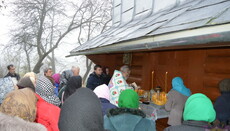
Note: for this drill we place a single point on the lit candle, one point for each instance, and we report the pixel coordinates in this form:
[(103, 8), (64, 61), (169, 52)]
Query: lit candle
[(166, 77), (152, 78)]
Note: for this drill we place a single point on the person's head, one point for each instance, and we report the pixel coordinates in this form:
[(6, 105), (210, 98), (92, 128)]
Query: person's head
[(224, 85), (45, 89), (30, 74), (128, 99), (56, 78), (125, 70), (48, 72), (21, 103), (102, 91), (27, 82), (178, 85), (98, 70), (74, 83), (106, 70), (11, 69), (199, 107), (51, 79), (75, 70), (81, 112)]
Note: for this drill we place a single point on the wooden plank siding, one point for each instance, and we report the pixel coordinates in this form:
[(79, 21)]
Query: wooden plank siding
[(201, 69)]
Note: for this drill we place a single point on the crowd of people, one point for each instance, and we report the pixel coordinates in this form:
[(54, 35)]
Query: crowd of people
[(59, 102)]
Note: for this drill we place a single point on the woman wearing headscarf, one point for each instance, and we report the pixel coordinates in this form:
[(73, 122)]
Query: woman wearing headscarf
[(198, 113), (102, 93), (222, 105), (31, 74), (73, 84), (27, 82), (128, 117), (45, 89), (21, 103), (176, 101), (47, 114), (18, 111), (81, 112)]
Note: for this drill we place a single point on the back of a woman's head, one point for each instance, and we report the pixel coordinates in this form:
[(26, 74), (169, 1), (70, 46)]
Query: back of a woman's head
[(128, 99), (75, 82), (45, 89), (31, 74), (56, 78), (224, 85), (81, 112), (21, 103), (199, 107), (44, 86), (27, 82), (102, 91)]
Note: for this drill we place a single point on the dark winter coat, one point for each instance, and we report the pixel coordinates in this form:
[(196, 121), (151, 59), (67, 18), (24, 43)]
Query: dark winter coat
[(106, 105), (94, 81), (17, 76), (222, 107), (106, 78)]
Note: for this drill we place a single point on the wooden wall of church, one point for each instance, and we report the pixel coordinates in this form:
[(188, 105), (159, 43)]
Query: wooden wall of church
[(201, 69)]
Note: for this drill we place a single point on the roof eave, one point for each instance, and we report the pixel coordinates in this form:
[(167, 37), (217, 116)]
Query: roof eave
[(205, 35)]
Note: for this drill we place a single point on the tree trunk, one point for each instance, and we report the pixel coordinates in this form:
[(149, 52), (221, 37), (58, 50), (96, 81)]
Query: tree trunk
[(53, 62), (27, 58), (88, 68)]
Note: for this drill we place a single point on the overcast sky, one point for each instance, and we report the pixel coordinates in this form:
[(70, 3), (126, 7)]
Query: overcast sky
[(6, 23)]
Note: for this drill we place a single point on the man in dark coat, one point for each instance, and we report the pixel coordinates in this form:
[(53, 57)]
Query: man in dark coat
[(95, 79), (12, 73)]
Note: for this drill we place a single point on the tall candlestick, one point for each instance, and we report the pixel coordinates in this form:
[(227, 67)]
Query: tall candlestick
[(152, 78), (166, 79)]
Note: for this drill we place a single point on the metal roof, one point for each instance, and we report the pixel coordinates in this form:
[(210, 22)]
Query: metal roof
[(187, 16)]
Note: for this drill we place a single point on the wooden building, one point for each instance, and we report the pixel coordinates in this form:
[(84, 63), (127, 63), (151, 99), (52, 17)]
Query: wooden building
[(186, 38)]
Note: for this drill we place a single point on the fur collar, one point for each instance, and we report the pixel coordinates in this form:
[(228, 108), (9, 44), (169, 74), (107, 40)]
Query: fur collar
[(118, 111)]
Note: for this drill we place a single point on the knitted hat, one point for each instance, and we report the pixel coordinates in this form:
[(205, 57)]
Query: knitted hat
[(128, 99)]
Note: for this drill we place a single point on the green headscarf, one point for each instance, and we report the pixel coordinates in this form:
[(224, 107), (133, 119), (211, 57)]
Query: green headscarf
[(128, 99), (199, 107)]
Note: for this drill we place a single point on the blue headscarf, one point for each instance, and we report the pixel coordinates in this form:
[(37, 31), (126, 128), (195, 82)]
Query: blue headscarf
[(178, 85)]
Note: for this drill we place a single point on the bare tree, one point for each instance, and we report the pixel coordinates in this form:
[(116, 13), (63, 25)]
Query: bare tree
[(2, 4), (99, 16), (43, 24)]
